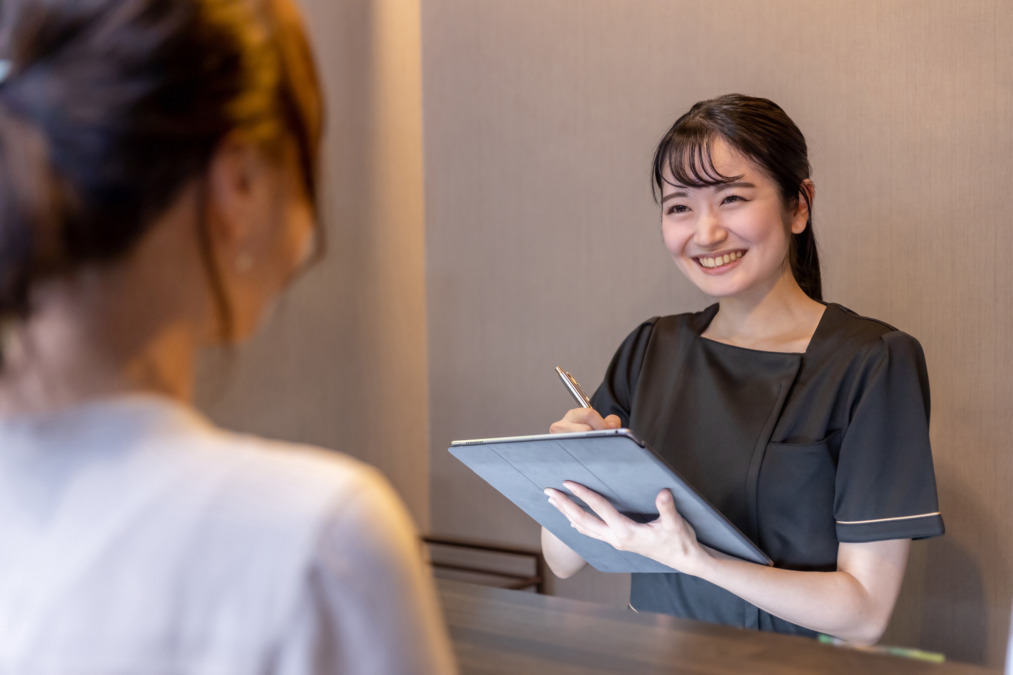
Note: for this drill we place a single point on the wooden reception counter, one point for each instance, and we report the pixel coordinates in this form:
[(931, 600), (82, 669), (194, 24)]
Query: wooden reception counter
[(500, 631)]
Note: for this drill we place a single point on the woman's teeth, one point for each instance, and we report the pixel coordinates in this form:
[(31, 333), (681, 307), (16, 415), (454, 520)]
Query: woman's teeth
[(720, 260)]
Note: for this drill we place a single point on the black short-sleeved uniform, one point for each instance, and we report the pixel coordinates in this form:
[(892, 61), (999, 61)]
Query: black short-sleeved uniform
[(800, 451)]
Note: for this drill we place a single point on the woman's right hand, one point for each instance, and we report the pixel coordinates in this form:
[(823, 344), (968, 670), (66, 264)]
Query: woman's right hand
[(563, 560), (584, 419)]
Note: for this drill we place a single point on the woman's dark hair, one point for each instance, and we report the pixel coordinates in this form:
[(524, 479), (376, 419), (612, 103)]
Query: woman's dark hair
[(763, 133), (111, 107)]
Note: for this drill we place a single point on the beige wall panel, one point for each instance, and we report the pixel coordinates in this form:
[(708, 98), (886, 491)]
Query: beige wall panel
[(543, 243), (342, 362)]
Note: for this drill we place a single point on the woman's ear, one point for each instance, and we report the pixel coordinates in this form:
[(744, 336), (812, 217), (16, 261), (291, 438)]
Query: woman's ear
[(236, 184), (806, 196)]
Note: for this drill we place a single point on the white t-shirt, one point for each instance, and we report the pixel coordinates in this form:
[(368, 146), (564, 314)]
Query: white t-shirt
[(135, 537)]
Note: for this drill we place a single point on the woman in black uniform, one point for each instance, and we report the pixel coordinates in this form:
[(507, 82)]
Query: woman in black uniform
[(803, 422)]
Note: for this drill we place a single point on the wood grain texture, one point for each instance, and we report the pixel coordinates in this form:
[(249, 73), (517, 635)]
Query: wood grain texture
[(543, 245), (496, 631)]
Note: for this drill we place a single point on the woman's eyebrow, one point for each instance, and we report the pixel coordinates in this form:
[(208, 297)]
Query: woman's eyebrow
[(736, 184), (672, 195), (717, 188)]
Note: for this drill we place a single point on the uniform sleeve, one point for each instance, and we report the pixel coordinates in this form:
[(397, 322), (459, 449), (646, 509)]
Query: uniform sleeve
[(368, 604), (886, 486), (615, 394)]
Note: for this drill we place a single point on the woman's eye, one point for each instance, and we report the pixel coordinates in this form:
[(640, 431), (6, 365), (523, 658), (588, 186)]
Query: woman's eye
[(677, 208), (732, 198)]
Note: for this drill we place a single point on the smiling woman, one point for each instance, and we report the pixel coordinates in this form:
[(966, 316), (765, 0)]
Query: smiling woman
[(803, 422)]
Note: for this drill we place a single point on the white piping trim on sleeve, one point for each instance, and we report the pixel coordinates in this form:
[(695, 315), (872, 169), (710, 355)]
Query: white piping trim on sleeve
[(885, 520)]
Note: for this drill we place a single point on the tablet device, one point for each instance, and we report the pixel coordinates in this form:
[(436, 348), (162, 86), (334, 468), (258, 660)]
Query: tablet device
[(615, 464)]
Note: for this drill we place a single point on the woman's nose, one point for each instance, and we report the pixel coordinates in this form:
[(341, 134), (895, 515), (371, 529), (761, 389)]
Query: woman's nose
[(709, 231)]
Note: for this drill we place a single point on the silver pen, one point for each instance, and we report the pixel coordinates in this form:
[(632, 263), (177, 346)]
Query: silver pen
[(571, 386)]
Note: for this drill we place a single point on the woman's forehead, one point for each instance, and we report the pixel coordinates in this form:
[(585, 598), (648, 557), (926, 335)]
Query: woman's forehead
[(708, 163)]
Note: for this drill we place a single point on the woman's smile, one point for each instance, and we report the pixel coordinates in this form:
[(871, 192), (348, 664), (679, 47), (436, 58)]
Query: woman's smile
[(716, 263)]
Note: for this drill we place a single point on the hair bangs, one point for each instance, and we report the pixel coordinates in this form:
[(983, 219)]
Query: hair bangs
[(684, 159)]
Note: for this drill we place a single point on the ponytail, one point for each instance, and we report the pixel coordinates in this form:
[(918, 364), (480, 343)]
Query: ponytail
[(804, 258)]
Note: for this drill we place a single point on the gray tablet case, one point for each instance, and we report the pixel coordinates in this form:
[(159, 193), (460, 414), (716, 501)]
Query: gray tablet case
[(613, 463)]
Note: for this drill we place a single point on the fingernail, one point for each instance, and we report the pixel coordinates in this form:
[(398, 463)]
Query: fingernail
[(547, 491)]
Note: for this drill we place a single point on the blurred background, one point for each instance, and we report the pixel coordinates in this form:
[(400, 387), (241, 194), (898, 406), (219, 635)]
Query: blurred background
[(489, 215)]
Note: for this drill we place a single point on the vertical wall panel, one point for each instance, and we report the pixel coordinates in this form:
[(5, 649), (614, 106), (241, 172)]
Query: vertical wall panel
[(342, 362), (543, 244)]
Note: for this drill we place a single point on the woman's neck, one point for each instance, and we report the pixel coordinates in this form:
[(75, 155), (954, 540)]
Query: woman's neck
[(86, 341), (781, 320), (133, 325)]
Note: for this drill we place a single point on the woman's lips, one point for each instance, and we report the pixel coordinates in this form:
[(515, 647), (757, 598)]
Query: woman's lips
[(716, 262)]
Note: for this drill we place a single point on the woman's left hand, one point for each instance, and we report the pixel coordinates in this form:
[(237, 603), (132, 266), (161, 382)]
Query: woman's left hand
[(853, 603), (668, 539)]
